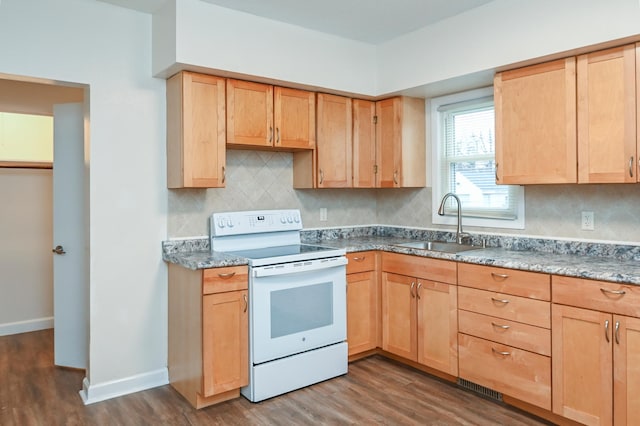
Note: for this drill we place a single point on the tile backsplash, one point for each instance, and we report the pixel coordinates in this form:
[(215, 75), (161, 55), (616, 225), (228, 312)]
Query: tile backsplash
[(263, 180)]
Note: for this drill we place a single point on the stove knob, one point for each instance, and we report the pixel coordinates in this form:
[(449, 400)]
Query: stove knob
[(221, 223), (296, 219), (229, 223), (289, 219), (283, 219)]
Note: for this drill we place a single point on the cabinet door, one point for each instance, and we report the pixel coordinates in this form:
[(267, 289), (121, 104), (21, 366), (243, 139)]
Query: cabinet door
[(399, 331), (225, 340), (364, 144), (438, 326), (249, 113), (334, 141), (362, 318), (195, 131), (535, 124), (389, 137), (582, 365), (607, 116), (295, 118), (626, 371)]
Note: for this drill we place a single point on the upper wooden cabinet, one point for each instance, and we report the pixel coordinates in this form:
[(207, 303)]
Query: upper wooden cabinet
[(400, 143), (535, 111), (334, 150), (364, 144), (264, 116), (195, 131), (607, 116)]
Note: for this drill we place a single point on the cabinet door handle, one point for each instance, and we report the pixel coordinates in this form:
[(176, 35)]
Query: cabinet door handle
[(246, 303), (411, 290), (321, 176), (395, 177), (503, 301), (227, 275), (617, 332), (500, 276), (504, 327), (359, 259), (277, 136), (270, 134), (606, 291), (224, 174), (503, 353), (606, 330), (418, 290), (497, 178), (631, 166)]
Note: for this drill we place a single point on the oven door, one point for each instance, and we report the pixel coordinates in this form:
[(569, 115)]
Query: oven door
[(297, 307)]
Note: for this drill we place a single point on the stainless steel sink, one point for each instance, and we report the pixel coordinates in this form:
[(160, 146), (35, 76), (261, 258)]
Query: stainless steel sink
[(443, 246)]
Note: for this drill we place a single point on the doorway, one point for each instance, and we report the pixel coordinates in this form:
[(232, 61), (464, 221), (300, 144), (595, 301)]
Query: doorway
[(23, 95)]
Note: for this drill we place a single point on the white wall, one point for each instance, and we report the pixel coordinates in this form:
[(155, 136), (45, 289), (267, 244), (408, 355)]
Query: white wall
[(500, 33), (222, 39), (109, 49), (26, 280)]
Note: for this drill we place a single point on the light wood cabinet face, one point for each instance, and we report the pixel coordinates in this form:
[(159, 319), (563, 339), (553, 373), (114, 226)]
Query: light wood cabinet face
[(437, 325), (626, 371), (295, 118), (582, 365), (225, 353), (364, 144), (195, 131), (334, 144), (536, 124), (607, 116), (362, 318), (249, 114), (389, 137), (399, 330)]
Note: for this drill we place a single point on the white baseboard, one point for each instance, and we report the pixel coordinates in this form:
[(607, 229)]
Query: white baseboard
[(100, 392), (26, 326)]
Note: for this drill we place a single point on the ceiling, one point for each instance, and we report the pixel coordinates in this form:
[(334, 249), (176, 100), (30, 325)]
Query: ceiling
[(369, 21)]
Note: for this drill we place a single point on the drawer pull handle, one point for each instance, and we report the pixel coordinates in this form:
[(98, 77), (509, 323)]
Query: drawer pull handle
[(359, 259), (503, 301), (606, 291), (501, 276), (503, 353), (227, 275), (504, 327), (606, 330), (617, 333)]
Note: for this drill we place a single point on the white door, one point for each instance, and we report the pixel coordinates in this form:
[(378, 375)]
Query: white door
[(70, 283)]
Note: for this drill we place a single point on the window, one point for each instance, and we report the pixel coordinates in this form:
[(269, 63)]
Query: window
[(463, 141)]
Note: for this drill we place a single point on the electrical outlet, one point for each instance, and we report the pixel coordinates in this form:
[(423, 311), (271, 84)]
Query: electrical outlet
[(588, 221), (323, 214)]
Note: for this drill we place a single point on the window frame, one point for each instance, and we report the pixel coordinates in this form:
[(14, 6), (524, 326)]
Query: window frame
[(437, 144)]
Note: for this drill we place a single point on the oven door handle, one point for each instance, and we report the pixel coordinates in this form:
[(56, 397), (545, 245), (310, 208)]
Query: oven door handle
[(298, 267)]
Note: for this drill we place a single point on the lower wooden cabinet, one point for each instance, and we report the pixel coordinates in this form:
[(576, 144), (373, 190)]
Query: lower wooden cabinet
[(419, 314), (208, 333), (363, 313), (596, 352)]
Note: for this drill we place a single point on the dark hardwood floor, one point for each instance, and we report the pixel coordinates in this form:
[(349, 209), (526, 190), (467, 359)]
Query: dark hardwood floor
[(375, 392)]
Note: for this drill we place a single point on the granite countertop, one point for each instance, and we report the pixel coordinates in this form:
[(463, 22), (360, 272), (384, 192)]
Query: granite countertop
[(582, 260)]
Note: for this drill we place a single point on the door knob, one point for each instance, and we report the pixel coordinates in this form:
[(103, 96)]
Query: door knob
[(58, 250)]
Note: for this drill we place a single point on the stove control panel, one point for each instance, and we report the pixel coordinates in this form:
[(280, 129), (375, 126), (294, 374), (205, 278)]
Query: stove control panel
[(254, 222)]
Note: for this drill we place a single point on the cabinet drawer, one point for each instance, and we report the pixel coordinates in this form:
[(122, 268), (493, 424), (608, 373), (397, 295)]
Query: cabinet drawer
[(361, 262), (523, 336), (515, 308), (623, 299), (443, 271), (220, 280), (510, 281), (515, 372)]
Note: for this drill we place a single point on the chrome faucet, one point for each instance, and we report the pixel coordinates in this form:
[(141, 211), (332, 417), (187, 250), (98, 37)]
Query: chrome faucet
[(459, 234)]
